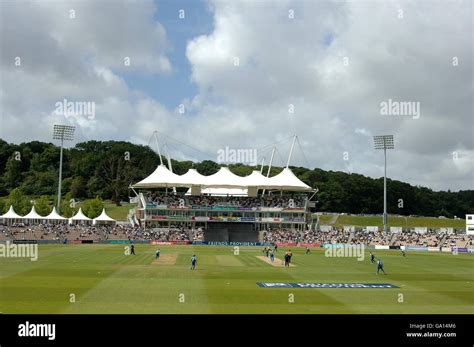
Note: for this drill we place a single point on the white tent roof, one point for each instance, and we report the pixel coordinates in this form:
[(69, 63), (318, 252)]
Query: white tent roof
[(224, 178), (286, 180), (193, 177), (54, 215), (104, 217), (11, 214), (161, 177), (80, 216), (256, 179), (33, 214)]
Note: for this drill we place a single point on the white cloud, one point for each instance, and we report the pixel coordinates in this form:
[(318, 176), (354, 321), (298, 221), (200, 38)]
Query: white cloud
[(337, 89), (334, 63)]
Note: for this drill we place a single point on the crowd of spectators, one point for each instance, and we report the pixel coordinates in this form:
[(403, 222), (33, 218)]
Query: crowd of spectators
[(335, 235), (281, 235), (182, 232), (63, 232), (429, 239), (371, 238), (459, 241), (332, 236), (174, 201)]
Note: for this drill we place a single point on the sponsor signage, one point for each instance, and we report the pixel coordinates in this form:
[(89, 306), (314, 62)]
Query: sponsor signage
[(25, 241), (293, 209), (335, 245), (327, 285), (47, 241), (271, 219), (421, 230), (159, 217), (270, 209), (225, 219), (448, 231), (460, 250), (178, 217), (216, 243), (396, 229), (417, 248), (201, 219), (194, 207), (118, 241), (180, 242), (310, 245), (224, 208), (286, 244)]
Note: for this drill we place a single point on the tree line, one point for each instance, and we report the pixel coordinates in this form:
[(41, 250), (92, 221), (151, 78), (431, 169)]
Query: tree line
[(105, 169)]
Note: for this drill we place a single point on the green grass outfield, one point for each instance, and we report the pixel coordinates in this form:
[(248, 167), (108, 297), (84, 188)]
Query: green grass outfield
[(104, 280)]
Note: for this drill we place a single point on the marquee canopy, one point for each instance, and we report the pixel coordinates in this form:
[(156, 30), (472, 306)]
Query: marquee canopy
[(54, 215), (104, 218), (11, 214), (33, 215), (224, 178), (80, 216)]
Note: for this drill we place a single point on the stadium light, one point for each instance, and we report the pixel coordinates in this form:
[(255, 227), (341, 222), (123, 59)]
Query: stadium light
[(63, 133), (384, 142)]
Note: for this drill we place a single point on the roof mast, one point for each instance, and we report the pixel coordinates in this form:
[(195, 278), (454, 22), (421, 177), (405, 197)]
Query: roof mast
[(291, 151), (157, 146)]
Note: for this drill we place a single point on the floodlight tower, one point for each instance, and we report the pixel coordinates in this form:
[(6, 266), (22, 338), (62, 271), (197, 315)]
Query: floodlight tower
[(63, 133), (384, 142)]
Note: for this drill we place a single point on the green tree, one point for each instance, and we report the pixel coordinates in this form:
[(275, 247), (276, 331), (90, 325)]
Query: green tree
[(21, 203), (39, 183), (93, 207), (67, 209), (106, 168), (241, 170), (13, 171), (117, 173), (207, 167), (42, 206), (3, 206), (78, 187)]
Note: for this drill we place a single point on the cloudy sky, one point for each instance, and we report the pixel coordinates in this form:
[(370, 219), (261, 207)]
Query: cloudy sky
[(247, 74)]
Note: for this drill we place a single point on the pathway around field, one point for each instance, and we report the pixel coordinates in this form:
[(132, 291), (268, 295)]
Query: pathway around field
[(277, 262), (166, 259)]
